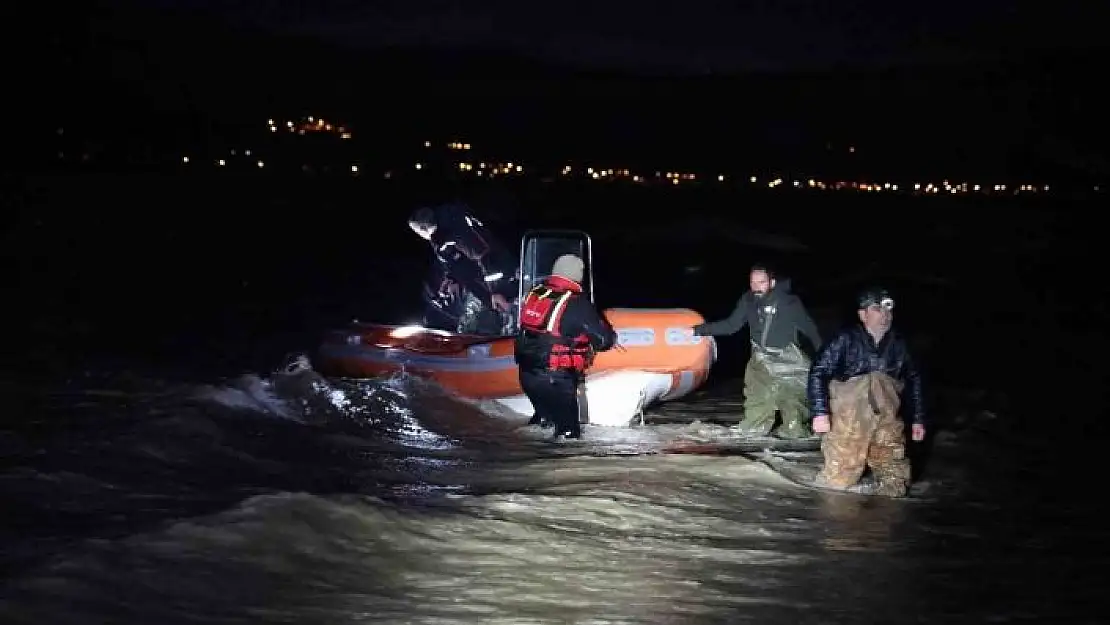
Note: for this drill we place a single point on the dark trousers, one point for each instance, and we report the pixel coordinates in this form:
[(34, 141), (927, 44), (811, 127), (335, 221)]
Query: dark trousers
[(554, 395)]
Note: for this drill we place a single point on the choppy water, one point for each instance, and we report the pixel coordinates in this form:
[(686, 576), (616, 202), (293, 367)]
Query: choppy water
[(290, 500)]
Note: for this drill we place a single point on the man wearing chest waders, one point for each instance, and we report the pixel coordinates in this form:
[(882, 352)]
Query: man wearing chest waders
[(775, 378)]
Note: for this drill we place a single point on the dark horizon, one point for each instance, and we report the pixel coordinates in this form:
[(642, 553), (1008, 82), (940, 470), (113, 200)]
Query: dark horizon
[(125, 70)]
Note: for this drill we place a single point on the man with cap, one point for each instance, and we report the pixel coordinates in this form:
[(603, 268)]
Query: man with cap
[(775, 377), (855, 393), (560, 331)]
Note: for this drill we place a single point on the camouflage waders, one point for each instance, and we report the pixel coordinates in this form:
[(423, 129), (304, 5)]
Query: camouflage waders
[(865, 432)]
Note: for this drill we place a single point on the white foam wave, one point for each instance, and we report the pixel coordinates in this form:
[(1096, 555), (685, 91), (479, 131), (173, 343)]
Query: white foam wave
[(249, 392)]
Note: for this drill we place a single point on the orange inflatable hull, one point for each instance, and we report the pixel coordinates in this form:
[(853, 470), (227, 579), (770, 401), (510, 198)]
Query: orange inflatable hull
[(649, 340)]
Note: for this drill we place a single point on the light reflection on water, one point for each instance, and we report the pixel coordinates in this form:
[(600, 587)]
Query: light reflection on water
[(502, 528)]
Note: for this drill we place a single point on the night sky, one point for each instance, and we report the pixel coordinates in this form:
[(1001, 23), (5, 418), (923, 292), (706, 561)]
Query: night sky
[(965, 111), (693, 36)]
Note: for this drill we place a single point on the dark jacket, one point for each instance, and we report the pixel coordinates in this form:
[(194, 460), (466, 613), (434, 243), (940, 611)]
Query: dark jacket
[(580, 318), (468, 253), (789, 318), (852, 353)]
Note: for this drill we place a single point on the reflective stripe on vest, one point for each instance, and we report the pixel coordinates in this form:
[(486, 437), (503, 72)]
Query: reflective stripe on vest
[(557, 313)]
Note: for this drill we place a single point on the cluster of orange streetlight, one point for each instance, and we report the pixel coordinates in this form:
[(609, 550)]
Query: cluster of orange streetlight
[(772, 182), (493, 169), (310, 124)]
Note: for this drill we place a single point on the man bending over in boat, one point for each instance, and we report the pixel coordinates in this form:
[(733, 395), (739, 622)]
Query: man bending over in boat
[(560, 331), (476, 275), (855, 392), (775, 377)]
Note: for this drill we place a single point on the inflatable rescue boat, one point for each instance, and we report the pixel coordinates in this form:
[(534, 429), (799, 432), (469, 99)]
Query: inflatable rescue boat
[(657, 357)]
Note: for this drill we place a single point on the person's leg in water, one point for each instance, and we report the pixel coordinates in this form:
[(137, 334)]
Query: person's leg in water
[(554, 396), (759, 401), (540, 420), (794, 410), (535, 386), (866, 432), (887, 454)]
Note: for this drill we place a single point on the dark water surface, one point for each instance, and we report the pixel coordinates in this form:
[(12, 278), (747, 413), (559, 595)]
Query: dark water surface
[(146, 480)]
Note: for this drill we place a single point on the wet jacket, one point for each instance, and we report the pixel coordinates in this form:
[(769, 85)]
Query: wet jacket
[(852, 353), (565, 336), (784, 310), (468, 254)]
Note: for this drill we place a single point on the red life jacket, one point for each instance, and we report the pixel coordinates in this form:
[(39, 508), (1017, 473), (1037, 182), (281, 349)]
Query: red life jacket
[(541, 337)]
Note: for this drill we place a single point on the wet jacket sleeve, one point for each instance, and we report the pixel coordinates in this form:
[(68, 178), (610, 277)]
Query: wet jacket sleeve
[(830, 360), (914, 388), (731, 324), (582, 318)]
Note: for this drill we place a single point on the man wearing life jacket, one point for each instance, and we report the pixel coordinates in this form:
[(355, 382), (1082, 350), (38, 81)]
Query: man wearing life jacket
[(855, 390), (472, 266), (775, 378), (560, 331)]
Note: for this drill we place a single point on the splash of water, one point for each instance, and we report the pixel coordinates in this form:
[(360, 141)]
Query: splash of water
[(292, 498)]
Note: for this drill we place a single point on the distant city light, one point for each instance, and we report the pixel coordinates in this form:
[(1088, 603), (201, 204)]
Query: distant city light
[(317, 126)]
